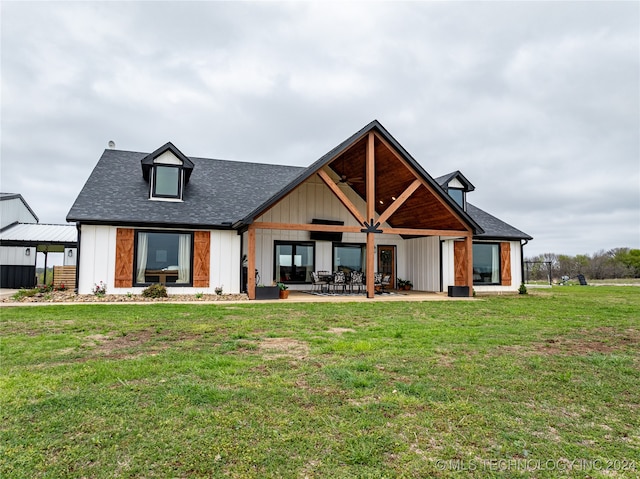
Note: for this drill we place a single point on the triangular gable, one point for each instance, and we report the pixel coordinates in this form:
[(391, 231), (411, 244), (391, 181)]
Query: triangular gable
[(148, 161), (18, 196), (446, 180), (396, 154)]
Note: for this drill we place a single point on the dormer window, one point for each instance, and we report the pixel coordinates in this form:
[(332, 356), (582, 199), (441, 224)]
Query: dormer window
[(167, 171), (167, 181), (457, 187), (458, 196)]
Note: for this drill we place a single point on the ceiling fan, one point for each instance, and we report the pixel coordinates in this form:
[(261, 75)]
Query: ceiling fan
[(344, 179), (350, 181)]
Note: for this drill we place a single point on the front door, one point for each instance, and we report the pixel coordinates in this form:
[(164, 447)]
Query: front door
[(387, 262)]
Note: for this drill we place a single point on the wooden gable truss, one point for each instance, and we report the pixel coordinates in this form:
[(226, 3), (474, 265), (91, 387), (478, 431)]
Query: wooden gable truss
[(394, 193)]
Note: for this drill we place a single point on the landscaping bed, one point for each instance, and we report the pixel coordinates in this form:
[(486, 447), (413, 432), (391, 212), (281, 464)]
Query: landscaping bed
[(71, 297)]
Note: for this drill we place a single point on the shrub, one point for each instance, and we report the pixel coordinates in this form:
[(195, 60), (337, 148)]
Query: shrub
[(522, 289), (100, 289), (24, 293), (155, 291)]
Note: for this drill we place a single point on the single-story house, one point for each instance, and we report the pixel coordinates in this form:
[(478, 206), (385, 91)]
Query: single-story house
[(22, 237), (367, 205)]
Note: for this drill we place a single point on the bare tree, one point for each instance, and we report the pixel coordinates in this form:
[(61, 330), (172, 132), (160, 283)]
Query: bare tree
[(615, 263)]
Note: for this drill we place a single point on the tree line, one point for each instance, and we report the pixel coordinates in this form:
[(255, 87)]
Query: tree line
[(615, 263)]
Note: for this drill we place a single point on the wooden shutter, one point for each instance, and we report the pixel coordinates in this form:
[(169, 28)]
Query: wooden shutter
[(505, 263), (460, 263), (201, 258), (124, 258)]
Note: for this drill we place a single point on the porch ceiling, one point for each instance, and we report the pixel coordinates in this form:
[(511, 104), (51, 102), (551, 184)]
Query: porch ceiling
[(422, 210)]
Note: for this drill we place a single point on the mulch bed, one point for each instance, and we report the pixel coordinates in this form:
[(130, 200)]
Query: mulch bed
[(71, 297)]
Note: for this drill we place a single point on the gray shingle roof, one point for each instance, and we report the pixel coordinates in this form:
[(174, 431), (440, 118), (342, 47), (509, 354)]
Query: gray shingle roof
[(493, 227), (219, 192), (224, 193)]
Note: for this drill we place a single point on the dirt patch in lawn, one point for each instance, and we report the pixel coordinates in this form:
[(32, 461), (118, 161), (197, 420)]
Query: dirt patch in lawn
[(340, 331), (274, 348), (121, 346), (603, 340)]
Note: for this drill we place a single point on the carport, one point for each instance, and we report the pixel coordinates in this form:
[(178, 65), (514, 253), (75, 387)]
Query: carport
[(21, 242)]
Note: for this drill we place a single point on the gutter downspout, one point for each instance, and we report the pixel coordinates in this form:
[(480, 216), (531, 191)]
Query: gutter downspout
[(78, 260), (441, 267), (522, 245)]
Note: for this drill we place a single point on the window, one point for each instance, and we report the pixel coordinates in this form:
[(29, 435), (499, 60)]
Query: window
[(349, 257), (163, 258), (167, 171), (457, 195), (166, 181), (294, 262), (486, 263)]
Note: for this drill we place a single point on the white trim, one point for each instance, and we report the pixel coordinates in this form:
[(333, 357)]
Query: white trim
[(168, 158)]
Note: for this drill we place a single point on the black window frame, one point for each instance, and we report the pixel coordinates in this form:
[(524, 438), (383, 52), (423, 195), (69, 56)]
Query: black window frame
[(463, 197), (277, 243), (154, 194), (135, 258), (499, 282), (363, 249)]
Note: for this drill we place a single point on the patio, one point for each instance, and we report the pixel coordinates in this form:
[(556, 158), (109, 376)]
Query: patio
[(412, 295), (68, 297)]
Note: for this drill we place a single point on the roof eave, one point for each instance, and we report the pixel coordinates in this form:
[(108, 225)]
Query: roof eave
[(138, 225)]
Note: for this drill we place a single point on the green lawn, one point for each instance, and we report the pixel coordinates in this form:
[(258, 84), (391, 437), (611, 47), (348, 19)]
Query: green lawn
[(544, 385)]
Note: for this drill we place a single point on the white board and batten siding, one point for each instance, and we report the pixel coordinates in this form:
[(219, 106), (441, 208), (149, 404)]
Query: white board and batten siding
[(448, 268), (423, 263), (70, 256), (224, 269), (416, 259), (98, 253)]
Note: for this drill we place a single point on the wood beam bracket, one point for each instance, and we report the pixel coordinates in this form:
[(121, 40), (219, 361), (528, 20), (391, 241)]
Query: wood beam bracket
[(371, 227), (341, 196)]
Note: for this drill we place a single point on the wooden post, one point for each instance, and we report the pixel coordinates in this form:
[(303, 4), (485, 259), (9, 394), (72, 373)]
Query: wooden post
[(469, 247), (371, 288), (251, 262), (371, 210)]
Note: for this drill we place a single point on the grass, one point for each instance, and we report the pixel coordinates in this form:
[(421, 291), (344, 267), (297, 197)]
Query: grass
[(543, 385)]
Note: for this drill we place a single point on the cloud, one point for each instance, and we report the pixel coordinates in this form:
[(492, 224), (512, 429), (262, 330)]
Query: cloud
[(536, 103)]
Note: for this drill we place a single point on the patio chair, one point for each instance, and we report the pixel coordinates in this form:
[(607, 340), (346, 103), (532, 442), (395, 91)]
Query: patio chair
[(377, 281), (356, 280), (317, 282), (339, 281), (385, 282)]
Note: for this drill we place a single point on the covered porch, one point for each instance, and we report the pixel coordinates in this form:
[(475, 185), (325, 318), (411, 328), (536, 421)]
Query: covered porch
[(382, 197)]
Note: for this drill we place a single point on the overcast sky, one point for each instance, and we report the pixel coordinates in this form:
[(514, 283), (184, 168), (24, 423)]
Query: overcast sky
[(536, 103)]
